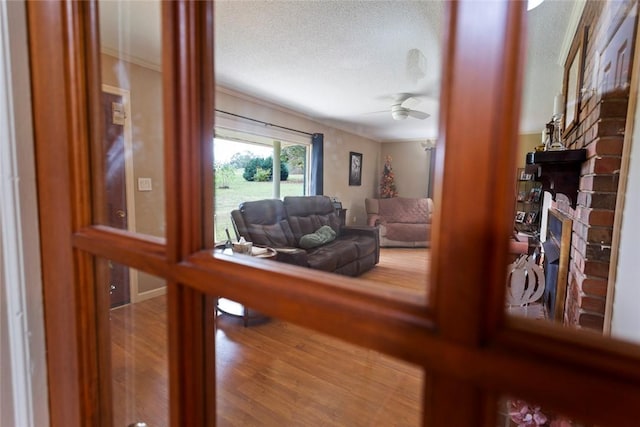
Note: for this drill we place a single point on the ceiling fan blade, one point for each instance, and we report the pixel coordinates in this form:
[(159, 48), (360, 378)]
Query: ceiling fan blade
[(421, 115), (410, 102)]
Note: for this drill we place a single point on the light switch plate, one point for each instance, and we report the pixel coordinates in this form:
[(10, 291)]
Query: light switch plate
[(144, 184)]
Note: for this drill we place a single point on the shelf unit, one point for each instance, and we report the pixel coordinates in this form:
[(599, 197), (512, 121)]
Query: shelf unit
[(528, 202)]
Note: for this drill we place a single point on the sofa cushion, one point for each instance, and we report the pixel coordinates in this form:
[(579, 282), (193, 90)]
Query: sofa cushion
[(364, 245), (322, 235), (358, 266), (406, 232), (306, 214), (266, 223), (268, 211), (404, 210), (275, 235), (333, 255)]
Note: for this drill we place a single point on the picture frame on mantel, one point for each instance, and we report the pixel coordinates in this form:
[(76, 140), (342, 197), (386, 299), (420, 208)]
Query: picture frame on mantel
[(355, 168), (572, 83)]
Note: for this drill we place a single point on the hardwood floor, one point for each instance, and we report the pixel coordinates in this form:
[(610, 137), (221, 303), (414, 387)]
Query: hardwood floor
[(402, 269), (273, 373), (139, 363)]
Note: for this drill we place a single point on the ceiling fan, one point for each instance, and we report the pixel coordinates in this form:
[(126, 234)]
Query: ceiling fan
[(403, 105)]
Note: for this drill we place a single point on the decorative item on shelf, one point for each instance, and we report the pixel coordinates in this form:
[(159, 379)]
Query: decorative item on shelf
[(387, 184), (337, 204), (553, 129), (543, 142), (242, 247), (527, 415), (525, 176), (531, 217), (534, 195), (525, 282)]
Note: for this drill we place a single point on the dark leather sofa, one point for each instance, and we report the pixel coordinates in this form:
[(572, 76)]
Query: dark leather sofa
[(280, 225)]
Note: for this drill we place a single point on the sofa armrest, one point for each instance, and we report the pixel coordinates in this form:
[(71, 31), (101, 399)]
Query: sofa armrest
[(365, 230), (430, 207), (373, 220), (295, 256)]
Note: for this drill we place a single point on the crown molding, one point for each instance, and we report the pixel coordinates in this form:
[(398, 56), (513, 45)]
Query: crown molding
[(131, 59), (569, 35)]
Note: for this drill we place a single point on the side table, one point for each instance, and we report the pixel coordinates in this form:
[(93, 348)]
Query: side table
[(342, 214), (233, 308)]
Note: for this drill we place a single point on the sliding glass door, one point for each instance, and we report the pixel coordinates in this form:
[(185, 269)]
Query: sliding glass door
[(245, 171)]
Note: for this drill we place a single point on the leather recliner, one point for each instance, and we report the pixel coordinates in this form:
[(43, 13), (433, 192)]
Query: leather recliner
[(281, 224)]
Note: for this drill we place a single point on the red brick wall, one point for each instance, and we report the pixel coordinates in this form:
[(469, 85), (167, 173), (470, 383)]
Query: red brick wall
[(600, 129)]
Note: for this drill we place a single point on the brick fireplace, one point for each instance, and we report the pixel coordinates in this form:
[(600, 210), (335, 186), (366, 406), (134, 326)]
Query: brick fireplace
[(606, 35)]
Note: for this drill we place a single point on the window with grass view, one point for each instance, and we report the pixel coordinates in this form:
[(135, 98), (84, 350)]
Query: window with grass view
[(244, 171)]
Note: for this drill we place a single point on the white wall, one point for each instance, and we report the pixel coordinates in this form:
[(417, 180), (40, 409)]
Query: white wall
[(23, 385), (337, 145), (625, 321)]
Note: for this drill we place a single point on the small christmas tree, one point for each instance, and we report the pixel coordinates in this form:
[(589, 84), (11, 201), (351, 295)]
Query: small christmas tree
[(387, 186)]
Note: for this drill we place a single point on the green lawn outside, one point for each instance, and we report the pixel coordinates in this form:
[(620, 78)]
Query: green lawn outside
[(228, 199)]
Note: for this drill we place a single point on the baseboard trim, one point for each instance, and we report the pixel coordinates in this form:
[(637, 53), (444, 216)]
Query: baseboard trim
[(142, 296)]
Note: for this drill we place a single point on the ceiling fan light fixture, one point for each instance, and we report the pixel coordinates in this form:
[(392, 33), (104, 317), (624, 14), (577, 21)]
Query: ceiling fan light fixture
[(399, 113)]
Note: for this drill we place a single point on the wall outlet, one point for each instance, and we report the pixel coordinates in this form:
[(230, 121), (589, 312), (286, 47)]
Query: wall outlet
[(354, 219), (144, 184)]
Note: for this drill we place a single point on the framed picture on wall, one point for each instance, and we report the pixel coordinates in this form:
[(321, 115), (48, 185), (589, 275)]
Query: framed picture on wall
[(573, 75), (355, 168)]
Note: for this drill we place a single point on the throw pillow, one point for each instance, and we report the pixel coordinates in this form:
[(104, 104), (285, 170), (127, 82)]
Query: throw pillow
[(322, 235)]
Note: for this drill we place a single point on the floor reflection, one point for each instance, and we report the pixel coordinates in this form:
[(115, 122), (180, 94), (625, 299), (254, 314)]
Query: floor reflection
[(272, 372), (277, 374)]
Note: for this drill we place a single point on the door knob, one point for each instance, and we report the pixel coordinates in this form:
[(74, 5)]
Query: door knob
[(121, 213)]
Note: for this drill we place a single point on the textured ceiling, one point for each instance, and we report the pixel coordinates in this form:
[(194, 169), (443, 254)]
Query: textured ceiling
[(335, 61), (341, 62)]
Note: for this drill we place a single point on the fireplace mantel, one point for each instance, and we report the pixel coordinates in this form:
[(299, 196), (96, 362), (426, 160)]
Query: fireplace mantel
[(558, 171)]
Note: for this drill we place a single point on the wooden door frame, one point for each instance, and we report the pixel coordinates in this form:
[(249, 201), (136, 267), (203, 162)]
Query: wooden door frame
[(22, 345), (130, 187), (128, 154), (630, 124), (470, 351)]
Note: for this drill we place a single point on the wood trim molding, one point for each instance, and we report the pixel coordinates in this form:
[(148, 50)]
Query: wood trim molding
[(187, 64), (473, 142), (57, 56), (130, 58), (470, 352), (632, 112), (22, 348), (570, 33)]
